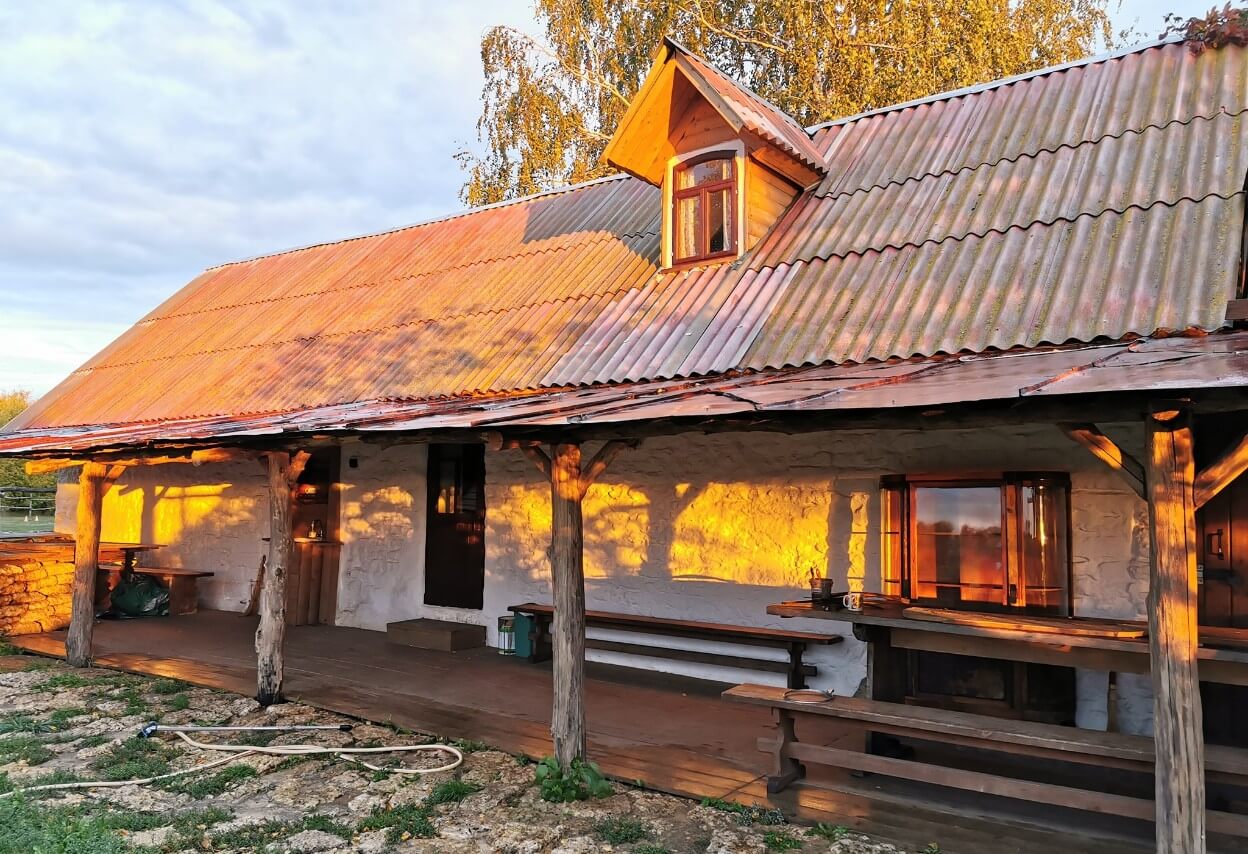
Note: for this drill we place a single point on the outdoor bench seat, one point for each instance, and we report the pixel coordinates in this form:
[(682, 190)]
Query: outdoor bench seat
[(183, 585), (1049, 741), (794, 643)]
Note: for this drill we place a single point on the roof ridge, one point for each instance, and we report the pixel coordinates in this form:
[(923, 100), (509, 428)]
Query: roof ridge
[(1025, 155), (570, 188), (375, 283), (988, 85)]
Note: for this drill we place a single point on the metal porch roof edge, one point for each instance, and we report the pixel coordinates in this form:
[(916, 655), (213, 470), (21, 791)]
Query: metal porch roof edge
[(1152, 364)]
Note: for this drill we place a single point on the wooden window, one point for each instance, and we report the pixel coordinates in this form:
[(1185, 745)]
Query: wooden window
[(981, 544), (704, 209)]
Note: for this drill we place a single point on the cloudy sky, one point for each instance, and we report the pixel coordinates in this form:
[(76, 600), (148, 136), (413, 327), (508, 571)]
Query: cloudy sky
[(141, 142)]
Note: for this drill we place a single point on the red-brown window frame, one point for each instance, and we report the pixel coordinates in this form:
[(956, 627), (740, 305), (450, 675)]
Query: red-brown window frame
[(705, 191)]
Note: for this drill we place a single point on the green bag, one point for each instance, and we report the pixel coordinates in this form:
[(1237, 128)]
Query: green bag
[(140, 596)]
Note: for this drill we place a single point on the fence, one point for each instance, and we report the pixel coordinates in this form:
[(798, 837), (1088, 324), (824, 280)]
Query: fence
[(30, 503)]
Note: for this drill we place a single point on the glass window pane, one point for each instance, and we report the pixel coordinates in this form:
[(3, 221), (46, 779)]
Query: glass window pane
[(1042, 523), (890, 540), (688, 223), (719, 212), (706, 172), (448, 486), (957, 545)]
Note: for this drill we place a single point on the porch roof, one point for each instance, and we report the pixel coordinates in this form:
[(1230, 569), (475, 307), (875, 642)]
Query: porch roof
[(1099, 201), (1160, 364)]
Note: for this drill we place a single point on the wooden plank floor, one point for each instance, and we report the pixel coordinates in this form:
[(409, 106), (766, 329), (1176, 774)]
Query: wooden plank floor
[(675, 735)]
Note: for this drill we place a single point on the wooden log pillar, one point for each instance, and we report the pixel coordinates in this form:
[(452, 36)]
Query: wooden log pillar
[(283, 473), (1172, 631), (567, 724), (92, 482)]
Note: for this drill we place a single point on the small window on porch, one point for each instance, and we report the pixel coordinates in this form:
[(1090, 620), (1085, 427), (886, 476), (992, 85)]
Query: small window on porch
[(983, 544), (704, 209)]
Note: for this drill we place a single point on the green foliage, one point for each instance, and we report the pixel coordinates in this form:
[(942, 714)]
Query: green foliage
[(65, 681), (776, 840), (24, 748), (250, 837), (619, 830), (830, 832), (92, 741), (552, 99), (408, 821), (7, 648), (932, 848), (212, 785), (13, 472), (581, 781), (451, 791), (189, 823), (325, 824), (755, 814), (468, 746), (23, 723), (59, 719), (133, 759), (648, 848), (169, 686), (179, 702), (27, 828)]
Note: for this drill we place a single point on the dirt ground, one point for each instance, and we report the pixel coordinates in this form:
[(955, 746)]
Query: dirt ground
[(58, 724)]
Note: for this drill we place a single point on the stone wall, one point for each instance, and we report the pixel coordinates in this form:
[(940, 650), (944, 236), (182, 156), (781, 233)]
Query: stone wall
[(35, 596)]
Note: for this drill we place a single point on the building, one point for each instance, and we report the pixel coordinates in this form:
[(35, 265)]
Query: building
[(878, 350)]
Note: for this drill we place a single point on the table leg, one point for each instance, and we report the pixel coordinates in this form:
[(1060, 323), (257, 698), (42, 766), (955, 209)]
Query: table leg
[(797, 679), (785, 769)]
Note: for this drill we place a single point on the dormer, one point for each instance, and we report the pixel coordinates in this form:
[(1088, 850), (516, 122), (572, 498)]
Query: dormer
[(728, 162)]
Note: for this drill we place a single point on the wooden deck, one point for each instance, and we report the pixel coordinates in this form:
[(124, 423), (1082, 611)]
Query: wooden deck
[(676, 735)]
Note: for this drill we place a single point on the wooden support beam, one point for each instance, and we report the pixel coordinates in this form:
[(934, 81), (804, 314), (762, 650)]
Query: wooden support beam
[(92, 483), (567, 723), (1219, 474), (1173, 633), (539, 458), (1107, 451), (602, 460), (284, 471), (198, 458)]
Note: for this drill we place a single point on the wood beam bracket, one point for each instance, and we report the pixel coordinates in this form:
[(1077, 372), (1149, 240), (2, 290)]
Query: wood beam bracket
[(1219, 474), (1107, 451)]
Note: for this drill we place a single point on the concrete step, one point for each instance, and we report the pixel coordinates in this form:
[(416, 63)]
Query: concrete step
[(436, 634)]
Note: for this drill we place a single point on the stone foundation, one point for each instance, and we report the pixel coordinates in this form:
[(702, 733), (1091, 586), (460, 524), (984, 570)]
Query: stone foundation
[(35, 596)]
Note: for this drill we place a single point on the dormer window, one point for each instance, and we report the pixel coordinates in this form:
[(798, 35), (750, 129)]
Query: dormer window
[(704, 208)]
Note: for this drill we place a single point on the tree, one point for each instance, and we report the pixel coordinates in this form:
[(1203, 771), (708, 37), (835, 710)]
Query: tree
[(551, 104), (13, 472)]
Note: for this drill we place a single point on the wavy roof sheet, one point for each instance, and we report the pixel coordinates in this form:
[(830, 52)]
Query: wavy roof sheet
[(1095, 201)]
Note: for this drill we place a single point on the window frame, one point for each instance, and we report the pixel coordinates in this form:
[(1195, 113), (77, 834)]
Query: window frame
[(733, 184), (1014, 598)]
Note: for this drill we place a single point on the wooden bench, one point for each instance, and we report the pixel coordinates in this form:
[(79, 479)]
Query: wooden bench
[(1047, 741), (183, 585), (794, 643)]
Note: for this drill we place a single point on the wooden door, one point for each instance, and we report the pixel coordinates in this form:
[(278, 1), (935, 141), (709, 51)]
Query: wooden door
[(1222, 535), (455, 533)]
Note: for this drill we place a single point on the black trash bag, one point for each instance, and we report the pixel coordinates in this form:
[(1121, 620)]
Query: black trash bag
[(140, 596)]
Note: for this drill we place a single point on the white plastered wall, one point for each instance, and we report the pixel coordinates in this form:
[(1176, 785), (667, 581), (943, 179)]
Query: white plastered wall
[(699, 527)]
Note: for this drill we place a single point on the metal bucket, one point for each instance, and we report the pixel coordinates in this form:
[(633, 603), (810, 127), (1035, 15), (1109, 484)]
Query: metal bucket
[(507, 635)]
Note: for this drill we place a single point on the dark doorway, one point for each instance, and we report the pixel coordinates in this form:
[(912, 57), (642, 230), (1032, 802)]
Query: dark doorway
[(455, 536), (1222, 561)]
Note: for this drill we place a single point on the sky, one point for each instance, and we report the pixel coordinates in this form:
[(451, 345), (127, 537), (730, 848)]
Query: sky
[(141, 142)]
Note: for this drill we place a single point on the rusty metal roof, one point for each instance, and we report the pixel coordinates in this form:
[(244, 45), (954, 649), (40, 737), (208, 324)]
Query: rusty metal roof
[(1094, 202), (1180, 363)]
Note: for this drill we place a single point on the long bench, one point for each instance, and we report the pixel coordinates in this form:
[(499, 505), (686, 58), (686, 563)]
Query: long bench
[(1048, 741), (183, 585), (794, 643)]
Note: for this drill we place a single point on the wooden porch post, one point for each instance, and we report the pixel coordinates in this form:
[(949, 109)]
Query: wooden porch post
[(1172, 631), (567, 724), (91, 485), (283, 473)]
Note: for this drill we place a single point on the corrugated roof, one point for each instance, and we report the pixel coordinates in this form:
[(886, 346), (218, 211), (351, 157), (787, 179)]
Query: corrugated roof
[(1098, 201), (1212, 362)]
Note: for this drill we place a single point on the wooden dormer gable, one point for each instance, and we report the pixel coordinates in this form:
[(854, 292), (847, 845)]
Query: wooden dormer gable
[(687, 111)]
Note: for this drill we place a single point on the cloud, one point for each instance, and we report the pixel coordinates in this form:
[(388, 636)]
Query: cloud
[(142, 142)]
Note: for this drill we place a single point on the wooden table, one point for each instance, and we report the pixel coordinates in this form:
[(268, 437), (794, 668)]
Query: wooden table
[(1078, 647)]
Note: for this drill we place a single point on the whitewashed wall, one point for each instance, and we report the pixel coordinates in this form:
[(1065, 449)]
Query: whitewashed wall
[(699, 527), (212, 518)]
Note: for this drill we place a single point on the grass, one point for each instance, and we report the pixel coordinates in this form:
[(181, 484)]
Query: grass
[(179, 702), (27, 827), (830, 832), (133, 759), (250, 837), (619, 830), (401, 823), (24, 748), (92, 741), (169, 686), (216, 784), (776, 840), (325, 824), (755, 814), (649, 848), (451, 792), (11, 724), (7, 648)]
